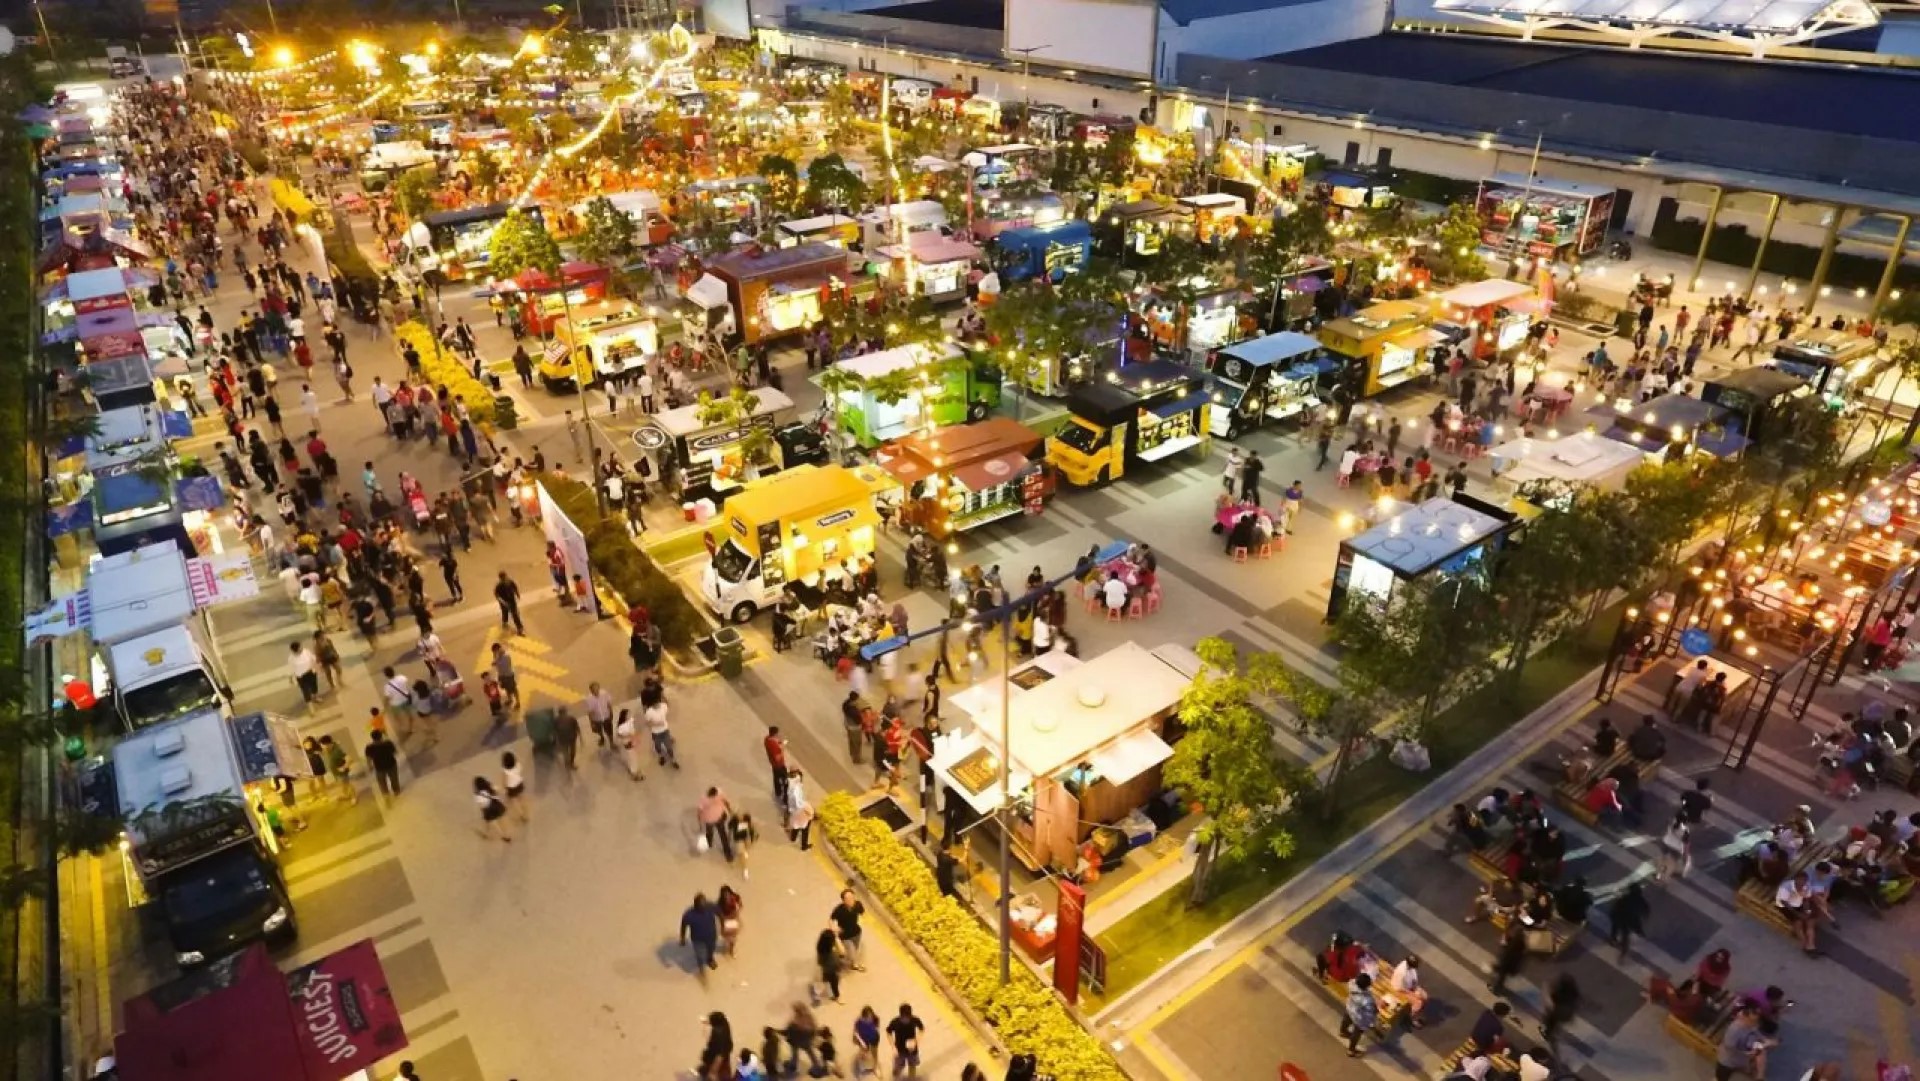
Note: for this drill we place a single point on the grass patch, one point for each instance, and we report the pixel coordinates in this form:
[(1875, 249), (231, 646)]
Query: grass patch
[(1148, 938), (682, 544)]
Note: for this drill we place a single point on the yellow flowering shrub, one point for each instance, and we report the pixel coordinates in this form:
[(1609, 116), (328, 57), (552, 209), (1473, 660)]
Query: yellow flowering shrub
[(292, 201), (1024, 1012), (444, 368)]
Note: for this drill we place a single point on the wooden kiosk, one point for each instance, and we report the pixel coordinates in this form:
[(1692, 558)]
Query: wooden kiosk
[(966, 476)]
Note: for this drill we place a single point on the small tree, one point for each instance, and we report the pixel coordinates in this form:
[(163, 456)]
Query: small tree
[(1424, 646), (413, 192), (521, 242), (832, 185), (486, 171), (737, 409), (1457, 235), (606, 235), (1228, 763), (783, 179)]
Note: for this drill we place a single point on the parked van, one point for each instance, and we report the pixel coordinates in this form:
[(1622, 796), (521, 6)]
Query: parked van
[(913, 95)]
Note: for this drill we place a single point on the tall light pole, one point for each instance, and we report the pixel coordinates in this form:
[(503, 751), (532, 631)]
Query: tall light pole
[(1026, 69)]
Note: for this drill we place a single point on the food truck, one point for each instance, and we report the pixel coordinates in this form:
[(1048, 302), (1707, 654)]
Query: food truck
[(929, 265), (1208, 218), (710, 458), (966, 476), (784, 529), (953, 390), (1386, 344), (1270, 378), (1136, 228), (602, 338), (888, 224), (758, 294), (1831, 361), (1086, 744), (993, 214), (1194, 327), (1764, 399), (385, 162), (727, 199), (1495, 314), (1430, 541), (543, 300), (999, 166), (194, 844), (1353, 191), (1139, 413), (1049, 251), (455, 241), (1673, 426), (1555, 219), (836, 230)]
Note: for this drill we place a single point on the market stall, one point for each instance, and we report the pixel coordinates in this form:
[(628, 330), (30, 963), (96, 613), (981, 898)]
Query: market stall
[(1387, 344), (1136, 228), (950, 390), (1430, 541), (992, 213), (1761, 397), (1494, 315), (1352, 190), (968, 475), (597, 340), (1194, 325), (1558, 220), (1549, 472), (836, 230), (930, 265), (1833, 361), (1141, 412), (1209, 218), (1084, 749), (885, 225), (1049, 252), (1271, 378), (543, 299)]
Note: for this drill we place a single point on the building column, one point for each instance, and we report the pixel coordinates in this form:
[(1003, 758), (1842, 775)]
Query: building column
[(1826, 257), (1706, 236), (1760, 253), (1898, 253)]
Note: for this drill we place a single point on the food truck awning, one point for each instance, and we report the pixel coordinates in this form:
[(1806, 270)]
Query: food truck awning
[(1274, 348), (1130, 756), (240, 1019), (1060, 723), (1484, 293), (999, 469), (708, 292), (898, 359), (928, 246), (1182, 405)]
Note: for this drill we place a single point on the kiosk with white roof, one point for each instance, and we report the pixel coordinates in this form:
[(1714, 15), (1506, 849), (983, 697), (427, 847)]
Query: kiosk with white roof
[(1084, 746), (1440, 537), (1494, 315), (1548, 473), (161, 675), (930, 265), (885, 225), (835, 230)]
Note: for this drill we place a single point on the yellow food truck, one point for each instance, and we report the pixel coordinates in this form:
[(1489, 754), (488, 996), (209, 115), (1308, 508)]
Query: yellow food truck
[(1139, 413), (602, 338), (1388, 341), (785, 529)]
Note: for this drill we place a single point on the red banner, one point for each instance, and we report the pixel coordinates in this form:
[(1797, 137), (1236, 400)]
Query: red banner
[(1071, 922), (114, 345), (344, 1013), (103, 304)]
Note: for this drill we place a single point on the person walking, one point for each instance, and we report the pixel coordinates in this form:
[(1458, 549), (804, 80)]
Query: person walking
[(776, 749), (846, 920), (799, 813), (826, 955), (1563, 998), (624, 737), (1250, 478), (1627, 917), (503, 671), (700, 927), (866, 1042), (712, 811), (339, 768), (506, 593), (328, 656), (802, 1032), (1512, 954), (450, 574), (398, 691), (513, 784), (384, 758), (303, 668), (905, 1029), (566, 734), (654, 716), (599, 707), (853, 718), (493, 811), (1676, 848), (1360, 1015)]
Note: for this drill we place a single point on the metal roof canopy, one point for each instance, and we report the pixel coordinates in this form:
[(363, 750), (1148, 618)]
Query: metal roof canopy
[(1758, 25)]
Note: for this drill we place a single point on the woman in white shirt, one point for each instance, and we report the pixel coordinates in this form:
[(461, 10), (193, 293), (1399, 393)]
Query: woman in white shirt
[(1405, 985)]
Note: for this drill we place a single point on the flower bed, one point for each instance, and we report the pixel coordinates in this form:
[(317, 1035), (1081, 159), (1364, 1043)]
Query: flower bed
[(1025, 1013), (623, 567), (444, 368)]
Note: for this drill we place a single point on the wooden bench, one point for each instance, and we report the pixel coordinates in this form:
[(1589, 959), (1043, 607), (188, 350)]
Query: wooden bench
[(1572, 795), (1896, 769), (1563, 931), (1504, 1062), (1490, 862), (1391, 1006), (1755, 896), (1704, 1037)]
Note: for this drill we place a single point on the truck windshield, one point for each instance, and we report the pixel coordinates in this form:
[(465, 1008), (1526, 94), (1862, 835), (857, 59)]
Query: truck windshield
[(169, 698), (217, 888), (731, 563), (1080, 437)]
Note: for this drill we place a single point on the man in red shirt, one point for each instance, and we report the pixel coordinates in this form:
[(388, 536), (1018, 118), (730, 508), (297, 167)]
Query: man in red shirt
[(777, 762)]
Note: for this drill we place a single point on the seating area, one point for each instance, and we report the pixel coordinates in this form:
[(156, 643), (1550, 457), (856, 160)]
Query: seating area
[(1755, 896), (1562, 931), (1571, 794), (1503, 1062), (1392, 1006), (1490, 862), (1703, 1032)]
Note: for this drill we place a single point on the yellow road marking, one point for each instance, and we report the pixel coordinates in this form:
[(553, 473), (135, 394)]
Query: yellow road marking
[(535, 676), (982, 1053), (102, 985), (1162, 1059), (1340, 885)]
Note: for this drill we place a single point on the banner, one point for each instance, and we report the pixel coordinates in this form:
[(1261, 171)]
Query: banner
[(1067, 939), (65, 615), (218, 579), (561, 531), (344, 1013)]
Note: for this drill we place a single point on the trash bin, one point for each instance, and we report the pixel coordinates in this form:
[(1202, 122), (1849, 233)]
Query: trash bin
[(729, 651), (505, 416), (540, 729)]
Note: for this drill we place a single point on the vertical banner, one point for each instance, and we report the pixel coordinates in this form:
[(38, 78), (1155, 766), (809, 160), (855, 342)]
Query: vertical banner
[(561, 531), (1066, 943)]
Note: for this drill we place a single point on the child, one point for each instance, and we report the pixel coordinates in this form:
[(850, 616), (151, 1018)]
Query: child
[(829, 1055), (582, 597), (743, 837), (496, 699)]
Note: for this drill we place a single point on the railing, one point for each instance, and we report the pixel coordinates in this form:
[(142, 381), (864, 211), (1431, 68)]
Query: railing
[(1648, 137), (965, 40)]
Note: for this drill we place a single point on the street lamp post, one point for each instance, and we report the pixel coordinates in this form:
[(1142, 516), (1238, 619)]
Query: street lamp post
[(1026, 69)]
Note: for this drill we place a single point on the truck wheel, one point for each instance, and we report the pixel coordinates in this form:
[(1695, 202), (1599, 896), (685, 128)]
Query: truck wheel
[(742, 612), (1105, 474), (976, 412), (1233, 429)]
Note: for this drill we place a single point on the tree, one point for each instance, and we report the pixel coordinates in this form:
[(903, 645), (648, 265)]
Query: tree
[(413, 192), (1457, 254), (1227, 761), (521, 242), (486, 172), (832, 185), (737, 409), (1035, 324), (1294, 239), (606, 235), (783, 179), (1428, 643)]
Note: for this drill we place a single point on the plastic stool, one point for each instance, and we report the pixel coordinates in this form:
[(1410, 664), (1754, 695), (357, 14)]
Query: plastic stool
[(1113, 615), (1093, 601), (1137, 609), (1343, 480), (1153, 601), (1266, 550), (1239, 555)]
